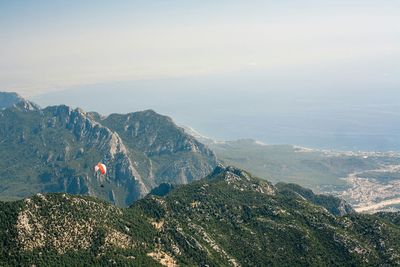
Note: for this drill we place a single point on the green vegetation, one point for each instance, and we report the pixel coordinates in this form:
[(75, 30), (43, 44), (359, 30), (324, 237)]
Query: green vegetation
[(54, 150), (165, 151), (229, 218), (285, 163), (333, 204)]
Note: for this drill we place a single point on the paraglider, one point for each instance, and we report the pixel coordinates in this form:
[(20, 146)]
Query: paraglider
[(100, 169)]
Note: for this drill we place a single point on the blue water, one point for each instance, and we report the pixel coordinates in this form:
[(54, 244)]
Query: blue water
[(345, 116)]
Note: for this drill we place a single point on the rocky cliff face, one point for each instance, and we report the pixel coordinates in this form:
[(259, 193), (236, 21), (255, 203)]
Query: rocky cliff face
[(170, 154), (54, 150)]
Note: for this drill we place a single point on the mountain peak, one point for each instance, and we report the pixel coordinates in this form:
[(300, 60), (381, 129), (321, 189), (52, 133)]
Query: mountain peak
[(199, 224), (241, 180), (7, 99), (149, 111), (141, 150)]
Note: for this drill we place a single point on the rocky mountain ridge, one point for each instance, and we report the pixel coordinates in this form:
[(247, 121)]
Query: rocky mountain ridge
[(8, 99), (54, 150), (229, 218)]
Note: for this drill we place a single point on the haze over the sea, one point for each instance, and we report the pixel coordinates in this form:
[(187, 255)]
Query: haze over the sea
[(348, 116), (313, 73)]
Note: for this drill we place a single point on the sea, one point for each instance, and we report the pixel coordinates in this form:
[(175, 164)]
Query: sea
[(312, 112)]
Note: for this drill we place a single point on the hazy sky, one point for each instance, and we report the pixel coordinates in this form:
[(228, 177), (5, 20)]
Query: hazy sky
[(53, 45)]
